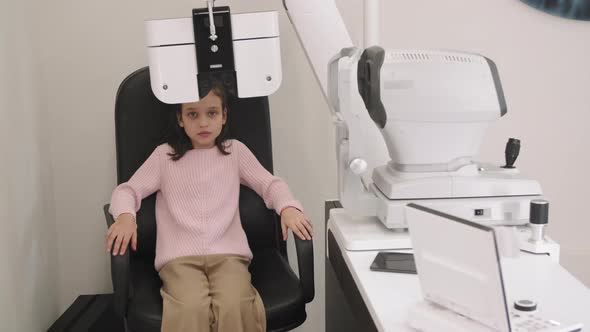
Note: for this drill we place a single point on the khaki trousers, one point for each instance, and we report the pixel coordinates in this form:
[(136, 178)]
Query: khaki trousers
[(210, 293)]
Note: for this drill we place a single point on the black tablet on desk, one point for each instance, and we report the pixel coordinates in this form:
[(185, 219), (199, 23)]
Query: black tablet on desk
[(394, 262)]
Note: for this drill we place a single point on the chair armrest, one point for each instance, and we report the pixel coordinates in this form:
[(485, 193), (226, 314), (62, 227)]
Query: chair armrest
[(304, 250), (120, 270)]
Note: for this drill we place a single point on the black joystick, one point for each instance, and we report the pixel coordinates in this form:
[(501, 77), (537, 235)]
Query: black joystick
[(539, 217), (511, 152)]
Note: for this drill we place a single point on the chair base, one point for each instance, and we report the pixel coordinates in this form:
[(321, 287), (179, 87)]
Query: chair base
[(89, 313)]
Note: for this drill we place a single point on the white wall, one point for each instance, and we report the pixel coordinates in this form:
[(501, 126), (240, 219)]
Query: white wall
[(28, 279), (87, 48)]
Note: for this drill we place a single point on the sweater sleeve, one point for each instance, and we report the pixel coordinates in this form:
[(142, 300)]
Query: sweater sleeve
[(126, 198), (273, 190)]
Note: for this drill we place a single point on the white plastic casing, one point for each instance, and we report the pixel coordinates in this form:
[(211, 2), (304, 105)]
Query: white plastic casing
[(321, 31), (173, 61), (438, 104), (502, 195), (498, 210), (472, 180)]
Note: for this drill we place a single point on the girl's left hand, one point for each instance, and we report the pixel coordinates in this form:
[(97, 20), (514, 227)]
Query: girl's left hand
[(297, 222)]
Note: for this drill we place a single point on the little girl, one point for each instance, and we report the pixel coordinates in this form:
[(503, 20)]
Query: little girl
[(202, 253)]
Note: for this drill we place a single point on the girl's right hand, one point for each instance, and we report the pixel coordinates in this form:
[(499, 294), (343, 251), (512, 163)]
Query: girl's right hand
[(123, 230)]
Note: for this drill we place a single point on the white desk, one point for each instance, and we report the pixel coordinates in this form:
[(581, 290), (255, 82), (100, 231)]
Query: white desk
[(388, 296)]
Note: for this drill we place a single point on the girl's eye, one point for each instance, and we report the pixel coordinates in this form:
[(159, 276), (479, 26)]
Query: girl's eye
[(192, 114), (212, 113)]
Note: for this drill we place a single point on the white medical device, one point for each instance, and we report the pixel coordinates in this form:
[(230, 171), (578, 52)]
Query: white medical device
[(432, 109), (416, 119), (463, 289), (240, 51), (409, 123)]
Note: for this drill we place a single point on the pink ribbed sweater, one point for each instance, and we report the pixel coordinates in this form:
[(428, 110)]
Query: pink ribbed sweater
[(197, 199)]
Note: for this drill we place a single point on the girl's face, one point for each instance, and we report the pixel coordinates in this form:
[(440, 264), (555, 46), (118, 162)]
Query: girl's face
[(203, 120)]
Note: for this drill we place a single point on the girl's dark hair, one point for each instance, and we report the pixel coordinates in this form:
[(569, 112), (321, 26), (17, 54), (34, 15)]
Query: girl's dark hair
[(179, 140)]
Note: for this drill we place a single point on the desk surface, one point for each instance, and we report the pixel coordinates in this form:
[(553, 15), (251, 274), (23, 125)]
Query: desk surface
[(389, 296)]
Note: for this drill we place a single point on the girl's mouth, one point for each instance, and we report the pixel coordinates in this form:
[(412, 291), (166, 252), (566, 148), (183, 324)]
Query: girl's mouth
[(204, 134)]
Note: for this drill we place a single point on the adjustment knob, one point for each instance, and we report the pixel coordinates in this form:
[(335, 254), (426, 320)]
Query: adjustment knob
[(539, 213), (539, 216), (358, 166), (525, 305)]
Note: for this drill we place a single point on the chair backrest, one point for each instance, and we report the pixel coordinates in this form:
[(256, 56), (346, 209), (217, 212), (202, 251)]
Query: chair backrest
[(141, 123)]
